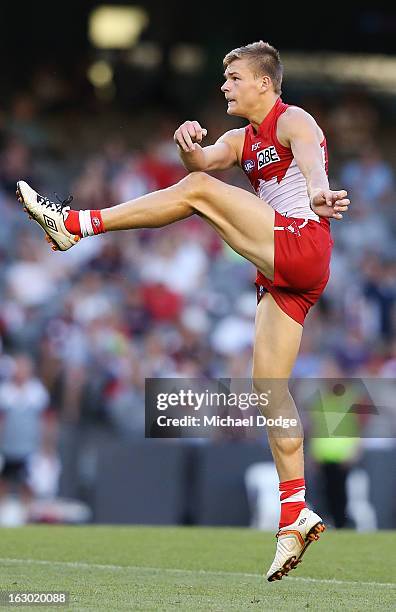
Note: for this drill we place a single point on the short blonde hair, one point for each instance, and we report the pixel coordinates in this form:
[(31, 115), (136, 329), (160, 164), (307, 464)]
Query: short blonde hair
[(264, 58)]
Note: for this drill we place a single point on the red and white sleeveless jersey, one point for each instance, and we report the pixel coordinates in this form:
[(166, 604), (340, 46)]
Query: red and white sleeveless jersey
[(272, 169)]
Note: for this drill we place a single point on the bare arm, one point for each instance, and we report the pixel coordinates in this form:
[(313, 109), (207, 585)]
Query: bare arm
[(298, 129), (223, 154)]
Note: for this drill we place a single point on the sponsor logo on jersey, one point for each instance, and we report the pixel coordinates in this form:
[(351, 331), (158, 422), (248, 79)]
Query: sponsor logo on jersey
[(249, 165), (267, 156), (255, 146)]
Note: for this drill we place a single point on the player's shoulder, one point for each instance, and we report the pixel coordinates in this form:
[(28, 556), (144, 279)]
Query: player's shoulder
[(296, 114), (233, 136), (294, 122)]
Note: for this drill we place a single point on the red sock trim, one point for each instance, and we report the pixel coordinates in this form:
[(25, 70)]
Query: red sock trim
[(72, 223), (73, 226), (97, 222), (287, 485), (290, 512)]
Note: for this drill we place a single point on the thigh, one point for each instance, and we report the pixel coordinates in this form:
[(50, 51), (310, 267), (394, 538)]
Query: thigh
[(242, 219), (277, 341)]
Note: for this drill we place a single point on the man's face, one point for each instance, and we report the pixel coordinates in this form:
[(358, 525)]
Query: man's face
[(242, 89)]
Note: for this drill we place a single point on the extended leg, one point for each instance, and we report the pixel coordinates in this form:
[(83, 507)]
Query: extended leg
[(243, 220)]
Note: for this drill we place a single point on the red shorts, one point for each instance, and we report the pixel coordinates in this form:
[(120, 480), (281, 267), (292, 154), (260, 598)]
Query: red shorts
[(301, 265)]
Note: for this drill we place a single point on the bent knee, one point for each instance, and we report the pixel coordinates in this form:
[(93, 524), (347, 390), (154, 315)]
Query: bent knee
[(197, 185)]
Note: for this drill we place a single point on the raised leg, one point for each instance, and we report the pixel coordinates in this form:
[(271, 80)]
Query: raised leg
[(243, 220)]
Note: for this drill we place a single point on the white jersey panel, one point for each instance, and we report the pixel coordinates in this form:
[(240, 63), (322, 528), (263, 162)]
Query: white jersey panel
[(289, 197)]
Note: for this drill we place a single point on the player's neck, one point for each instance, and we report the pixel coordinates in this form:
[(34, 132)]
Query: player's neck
[(259, 114)]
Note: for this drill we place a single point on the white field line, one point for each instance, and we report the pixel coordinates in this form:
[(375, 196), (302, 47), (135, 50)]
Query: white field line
[(168, 570)]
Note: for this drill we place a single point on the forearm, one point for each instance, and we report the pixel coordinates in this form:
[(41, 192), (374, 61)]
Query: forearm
[(193, 160)]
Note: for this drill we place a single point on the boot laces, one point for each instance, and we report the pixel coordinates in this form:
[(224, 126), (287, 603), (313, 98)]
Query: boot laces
[(62, 206)]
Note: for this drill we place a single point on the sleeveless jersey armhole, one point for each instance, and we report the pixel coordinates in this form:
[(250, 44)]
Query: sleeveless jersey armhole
[(274, 134), (245, 146)]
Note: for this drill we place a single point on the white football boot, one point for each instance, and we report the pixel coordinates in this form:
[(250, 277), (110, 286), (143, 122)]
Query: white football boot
[(292, 542), (49, 215)]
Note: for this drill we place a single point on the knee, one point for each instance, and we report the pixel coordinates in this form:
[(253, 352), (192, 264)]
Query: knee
[(287, 446), (196, 186)]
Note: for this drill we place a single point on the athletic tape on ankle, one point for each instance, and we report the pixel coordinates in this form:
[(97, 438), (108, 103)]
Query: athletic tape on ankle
[(86, 223)]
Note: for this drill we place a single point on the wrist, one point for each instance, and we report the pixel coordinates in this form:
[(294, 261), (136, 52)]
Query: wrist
[(313, 195), (192, 160)]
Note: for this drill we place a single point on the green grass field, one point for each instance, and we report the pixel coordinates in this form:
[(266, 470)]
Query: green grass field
[(157, 568)]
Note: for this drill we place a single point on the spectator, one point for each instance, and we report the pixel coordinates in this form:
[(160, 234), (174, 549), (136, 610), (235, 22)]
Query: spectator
[(24, 404)]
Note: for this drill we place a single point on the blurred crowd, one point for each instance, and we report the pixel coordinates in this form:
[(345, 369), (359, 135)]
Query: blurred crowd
[(89, 325)]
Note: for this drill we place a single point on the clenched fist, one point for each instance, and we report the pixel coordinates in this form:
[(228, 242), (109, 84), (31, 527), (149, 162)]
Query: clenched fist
[(188, 134)]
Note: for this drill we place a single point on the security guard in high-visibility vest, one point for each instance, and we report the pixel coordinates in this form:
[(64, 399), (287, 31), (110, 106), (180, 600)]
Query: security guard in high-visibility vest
[(334, 442)]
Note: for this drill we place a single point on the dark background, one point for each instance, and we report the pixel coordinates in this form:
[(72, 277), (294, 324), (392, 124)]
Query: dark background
[(58, 31)]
